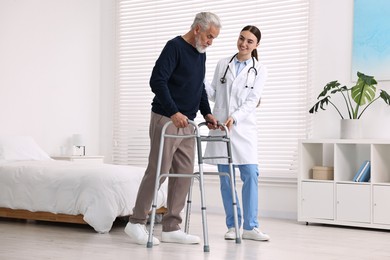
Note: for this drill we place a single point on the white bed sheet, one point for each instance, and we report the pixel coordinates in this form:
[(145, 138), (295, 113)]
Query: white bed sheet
[(100, 192)]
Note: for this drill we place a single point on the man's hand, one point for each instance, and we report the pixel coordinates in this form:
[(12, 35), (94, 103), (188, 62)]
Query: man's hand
[(179, 120), (211, 121)]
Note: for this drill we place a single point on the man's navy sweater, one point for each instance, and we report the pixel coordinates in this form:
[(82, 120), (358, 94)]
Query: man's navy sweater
[(177, 80)]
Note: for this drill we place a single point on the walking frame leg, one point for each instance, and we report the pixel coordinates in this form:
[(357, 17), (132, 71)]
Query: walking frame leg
[(234, 200), (206, 247), (188, 209), (149, 244)]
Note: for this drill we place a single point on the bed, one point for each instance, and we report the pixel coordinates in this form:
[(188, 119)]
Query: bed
[(34, 186)]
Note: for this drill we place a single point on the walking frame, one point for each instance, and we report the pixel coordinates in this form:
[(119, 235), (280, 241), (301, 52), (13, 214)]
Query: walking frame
[(197, 175)]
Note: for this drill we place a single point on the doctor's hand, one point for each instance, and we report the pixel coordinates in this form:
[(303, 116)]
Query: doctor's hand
[(229, 123), (179, 120)]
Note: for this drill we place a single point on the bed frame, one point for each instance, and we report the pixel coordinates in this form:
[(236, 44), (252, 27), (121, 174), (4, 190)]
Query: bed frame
[(39, 215), (48, 216)]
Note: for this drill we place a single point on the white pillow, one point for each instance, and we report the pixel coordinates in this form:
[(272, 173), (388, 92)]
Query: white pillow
[(18, 148)]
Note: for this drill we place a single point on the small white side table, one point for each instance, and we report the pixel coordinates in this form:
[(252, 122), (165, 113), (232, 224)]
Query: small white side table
[(80, 158)]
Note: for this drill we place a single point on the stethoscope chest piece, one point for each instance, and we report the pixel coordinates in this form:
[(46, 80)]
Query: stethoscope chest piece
[(247, 77), (223, 79)]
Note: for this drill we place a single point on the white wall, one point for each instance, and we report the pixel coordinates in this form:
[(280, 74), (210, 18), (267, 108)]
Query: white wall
[(107, 77), (50, 71)]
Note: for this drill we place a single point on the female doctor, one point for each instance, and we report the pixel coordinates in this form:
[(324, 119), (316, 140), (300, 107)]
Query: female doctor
[(236, 91)]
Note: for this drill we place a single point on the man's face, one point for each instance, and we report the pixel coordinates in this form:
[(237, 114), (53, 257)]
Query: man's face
[(204, 38)]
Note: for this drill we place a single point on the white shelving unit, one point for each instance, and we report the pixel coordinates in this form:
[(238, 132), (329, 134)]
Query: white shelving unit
[(342, 201)]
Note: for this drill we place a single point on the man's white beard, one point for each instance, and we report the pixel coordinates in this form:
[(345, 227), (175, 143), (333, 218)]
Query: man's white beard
[(199, 47)]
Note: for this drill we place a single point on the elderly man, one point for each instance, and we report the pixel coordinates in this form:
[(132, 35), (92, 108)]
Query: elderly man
[(177, 82)]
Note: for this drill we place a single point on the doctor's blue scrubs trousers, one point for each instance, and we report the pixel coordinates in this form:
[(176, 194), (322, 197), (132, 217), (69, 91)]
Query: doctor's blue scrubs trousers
[(249, 175)]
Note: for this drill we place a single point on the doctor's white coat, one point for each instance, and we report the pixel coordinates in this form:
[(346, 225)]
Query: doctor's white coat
[(238, 98)]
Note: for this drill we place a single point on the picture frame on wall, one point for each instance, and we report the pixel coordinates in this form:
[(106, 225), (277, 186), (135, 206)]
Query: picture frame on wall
[(371, 39)]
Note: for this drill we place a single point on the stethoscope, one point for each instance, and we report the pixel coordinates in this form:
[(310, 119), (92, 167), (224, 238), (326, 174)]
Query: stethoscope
[(223, 79)]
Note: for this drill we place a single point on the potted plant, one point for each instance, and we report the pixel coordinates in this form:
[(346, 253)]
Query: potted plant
[(356, 99)]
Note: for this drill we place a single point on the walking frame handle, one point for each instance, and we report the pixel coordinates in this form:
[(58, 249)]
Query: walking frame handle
[(218, 138), (196, 133), (191, 122)]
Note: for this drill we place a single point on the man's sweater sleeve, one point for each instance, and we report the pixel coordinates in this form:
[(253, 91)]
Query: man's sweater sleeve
[(161, 73), (204, 106)]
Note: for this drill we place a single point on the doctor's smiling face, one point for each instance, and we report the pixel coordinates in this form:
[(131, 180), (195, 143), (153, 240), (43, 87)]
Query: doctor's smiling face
[(246, 43)]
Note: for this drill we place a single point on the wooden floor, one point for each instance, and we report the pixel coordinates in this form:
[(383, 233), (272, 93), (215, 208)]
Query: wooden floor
[(289, 240)]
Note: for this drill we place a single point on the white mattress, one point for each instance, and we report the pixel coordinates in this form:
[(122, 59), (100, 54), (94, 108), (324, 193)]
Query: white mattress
[(100, 192)]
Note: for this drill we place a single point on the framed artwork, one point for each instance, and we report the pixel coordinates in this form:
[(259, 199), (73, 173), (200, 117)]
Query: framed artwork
[(371, 39)]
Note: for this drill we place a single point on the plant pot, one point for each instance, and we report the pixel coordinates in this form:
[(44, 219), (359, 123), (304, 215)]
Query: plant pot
[(350, 129)]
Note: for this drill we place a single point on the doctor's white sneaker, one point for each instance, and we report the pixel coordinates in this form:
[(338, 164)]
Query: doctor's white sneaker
[(230, 234), (255, 234), (179, 237), (139, 234)]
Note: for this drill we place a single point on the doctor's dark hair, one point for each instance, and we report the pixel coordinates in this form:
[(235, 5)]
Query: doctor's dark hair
[(205, 20), (253, 29)]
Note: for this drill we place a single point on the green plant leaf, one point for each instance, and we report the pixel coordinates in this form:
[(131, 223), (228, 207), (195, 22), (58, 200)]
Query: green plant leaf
[(385, 96), (328, 87), (364, 90), (368, 79), (343, 88), (319, 104)]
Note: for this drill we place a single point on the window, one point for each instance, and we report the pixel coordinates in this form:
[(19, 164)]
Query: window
[(144, 28)]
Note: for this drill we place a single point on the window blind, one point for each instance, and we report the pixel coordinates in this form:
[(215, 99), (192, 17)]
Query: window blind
[(143, 28)]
